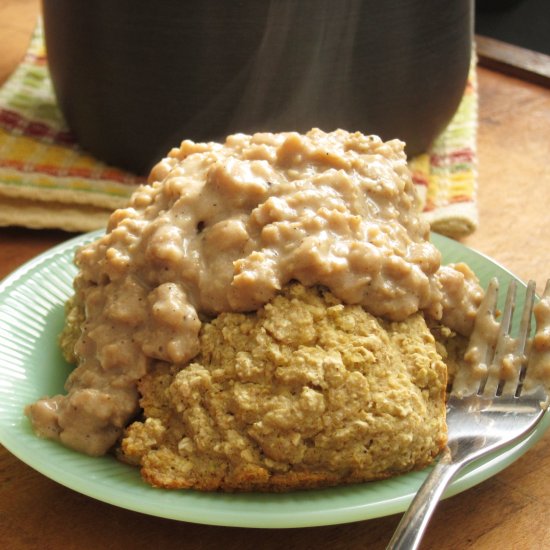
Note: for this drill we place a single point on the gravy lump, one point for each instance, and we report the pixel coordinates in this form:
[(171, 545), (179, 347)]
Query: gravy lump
[(511, 365), (222, 228), (538, 369)]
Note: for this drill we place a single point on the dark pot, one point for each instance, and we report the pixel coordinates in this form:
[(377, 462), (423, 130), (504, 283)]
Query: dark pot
[(135, 77)]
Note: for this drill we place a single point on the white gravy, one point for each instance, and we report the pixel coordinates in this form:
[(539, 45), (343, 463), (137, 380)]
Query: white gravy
[(222, 227)]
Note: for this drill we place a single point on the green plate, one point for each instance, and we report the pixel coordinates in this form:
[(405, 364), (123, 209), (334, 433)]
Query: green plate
[(31, 366)]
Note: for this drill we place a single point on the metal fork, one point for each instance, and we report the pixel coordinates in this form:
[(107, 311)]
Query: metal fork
[(482, 415)]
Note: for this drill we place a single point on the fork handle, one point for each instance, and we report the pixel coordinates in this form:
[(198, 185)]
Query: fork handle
[(411, 528)]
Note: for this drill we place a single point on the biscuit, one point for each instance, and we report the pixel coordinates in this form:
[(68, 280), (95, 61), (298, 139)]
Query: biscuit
[(306, 392)]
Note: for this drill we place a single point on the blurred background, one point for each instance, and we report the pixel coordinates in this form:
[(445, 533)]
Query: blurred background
[(524, 23)]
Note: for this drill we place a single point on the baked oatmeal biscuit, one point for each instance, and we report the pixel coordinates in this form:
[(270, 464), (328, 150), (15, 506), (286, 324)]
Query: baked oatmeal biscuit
[(306, 392)]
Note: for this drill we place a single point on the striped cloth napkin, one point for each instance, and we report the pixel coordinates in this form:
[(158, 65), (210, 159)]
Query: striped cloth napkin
[(48, 181)]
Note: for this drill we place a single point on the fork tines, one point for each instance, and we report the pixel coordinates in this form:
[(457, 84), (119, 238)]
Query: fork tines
[(496, 360)]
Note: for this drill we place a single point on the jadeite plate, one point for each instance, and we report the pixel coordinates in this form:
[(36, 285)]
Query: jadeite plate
[(31, 316)]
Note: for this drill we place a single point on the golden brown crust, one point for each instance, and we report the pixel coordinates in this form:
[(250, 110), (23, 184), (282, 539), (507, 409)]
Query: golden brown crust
[(305, 393), (74, 319)]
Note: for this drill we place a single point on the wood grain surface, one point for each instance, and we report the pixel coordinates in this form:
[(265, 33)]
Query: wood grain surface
[(513, 60), (509, 511)]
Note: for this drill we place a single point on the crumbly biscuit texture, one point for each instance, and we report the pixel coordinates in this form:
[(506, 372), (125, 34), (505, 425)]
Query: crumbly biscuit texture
[(305, 392), (451, 346)]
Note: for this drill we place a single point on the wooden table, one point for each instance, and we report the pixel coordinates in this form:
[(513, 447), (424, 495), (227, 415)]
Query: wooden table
[(508, 511)]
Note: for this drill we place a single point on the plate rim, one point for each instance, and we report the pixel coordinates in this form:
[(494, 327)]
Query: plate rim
[(238, 517)]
